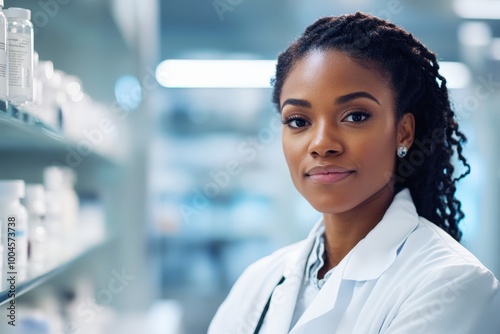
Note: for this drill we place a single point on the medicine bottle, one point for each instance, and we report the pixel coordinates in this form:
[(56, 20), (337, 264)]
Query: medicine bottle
[(34, 202), (53, 222), (20, 51), (14, 224), (62, 211), (4, 75), (59, 184)]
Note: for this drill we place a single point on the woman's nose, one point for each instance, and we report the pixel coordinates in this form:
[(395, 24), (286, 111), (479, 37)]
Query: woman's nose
[(325, 141)]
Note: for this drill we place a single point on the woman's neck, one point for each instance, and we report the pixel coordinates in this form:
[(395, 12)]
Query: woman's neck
[(343, 231)]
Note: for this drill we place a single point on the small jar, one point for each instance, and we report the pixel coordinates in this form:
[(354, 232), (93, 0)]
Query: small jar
[(20, 50)]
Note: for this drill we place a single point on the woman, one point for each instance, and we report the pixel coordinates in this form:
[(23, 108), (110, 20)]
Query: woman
[(368, 136)]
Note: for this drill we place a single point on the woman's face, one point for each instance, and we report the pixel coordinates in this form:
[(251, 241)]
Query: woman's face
[(340, 134)]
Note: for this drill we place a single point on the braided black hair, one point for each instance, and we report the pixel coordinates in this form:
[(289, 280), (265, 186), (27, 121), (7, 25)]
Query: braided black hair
[(427, 169)]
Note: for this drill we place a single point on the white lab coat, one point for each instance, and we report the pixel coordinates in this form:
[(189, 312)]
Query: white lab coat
[(406, 276)]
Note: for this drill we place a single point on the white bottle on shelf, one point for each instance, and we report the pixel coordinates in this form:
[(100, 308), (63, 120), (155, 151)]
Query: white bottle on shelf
[(62, 200), (54, 251), (36, 208), (15, 227), (20, 51), (46, 93), (4, 74)]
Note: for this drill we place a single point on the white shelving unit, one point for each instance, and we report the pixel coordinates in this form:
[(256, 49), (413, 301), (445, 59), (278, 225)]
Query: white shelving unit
[(27, 145)]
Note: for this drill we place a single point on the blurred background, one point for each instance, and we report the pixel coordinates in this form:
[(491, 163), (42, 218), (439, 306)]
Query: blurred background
[(182, 183)]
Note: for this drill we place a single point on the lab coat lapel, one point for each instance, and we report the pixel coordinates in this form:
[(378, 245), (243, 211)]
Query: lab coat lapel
[(326, 298), (285, 295), (373, 255)]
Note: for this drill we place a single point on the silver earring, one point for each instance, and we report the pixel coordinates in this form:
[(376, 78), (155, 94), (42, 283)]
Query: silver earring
[(402, 150)]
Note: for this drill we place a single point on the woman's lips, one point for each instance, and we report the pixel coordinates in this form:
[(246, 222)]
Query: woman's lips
[(328, 178), (328, 174)]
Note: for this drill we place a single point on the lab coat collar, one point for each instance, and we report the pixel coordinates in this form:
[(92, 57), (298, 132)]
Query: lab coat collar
[(374, 254), (377, 251)]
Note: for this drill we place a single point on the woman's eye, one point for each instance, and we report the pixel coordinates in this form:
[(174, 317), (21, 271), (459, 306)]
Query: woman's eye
[(357, 117), (295, 122)]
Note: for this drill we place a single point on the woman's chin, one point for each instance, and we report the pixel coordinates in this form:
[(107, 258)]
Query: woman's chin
[(331, 207)]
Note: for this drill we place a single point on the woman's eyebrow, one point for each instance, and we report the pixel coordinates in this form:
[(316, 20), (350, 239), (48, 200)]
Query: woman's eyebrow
[(296, 102), (356, 95), (340, 100)]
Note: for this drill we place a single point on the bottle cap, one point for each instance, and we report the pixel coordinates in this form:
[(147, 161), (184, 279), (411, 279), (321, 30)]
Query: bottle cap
[(15, 12), (12, 188)]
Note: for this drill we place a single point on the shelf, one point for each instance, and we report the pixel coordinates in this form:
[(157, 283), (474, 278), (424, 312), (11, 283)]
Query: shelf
[(22, 132), (30, 283), (20, 129)]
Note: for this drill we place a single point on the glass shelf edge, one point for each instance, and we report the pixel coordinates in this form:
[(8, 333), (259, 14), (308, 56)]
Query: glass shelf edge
[(29, 284), (23, 120)]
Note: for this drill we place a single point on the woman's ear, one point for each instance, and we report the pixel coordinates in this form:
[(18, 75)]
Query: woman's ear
[(406, 130)]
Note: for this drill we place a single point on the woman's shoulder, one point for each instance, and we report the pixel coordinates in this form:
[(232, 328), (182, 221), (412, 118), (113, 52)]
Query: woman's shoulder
[(433, 241), (436, 280), (435, 255)]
